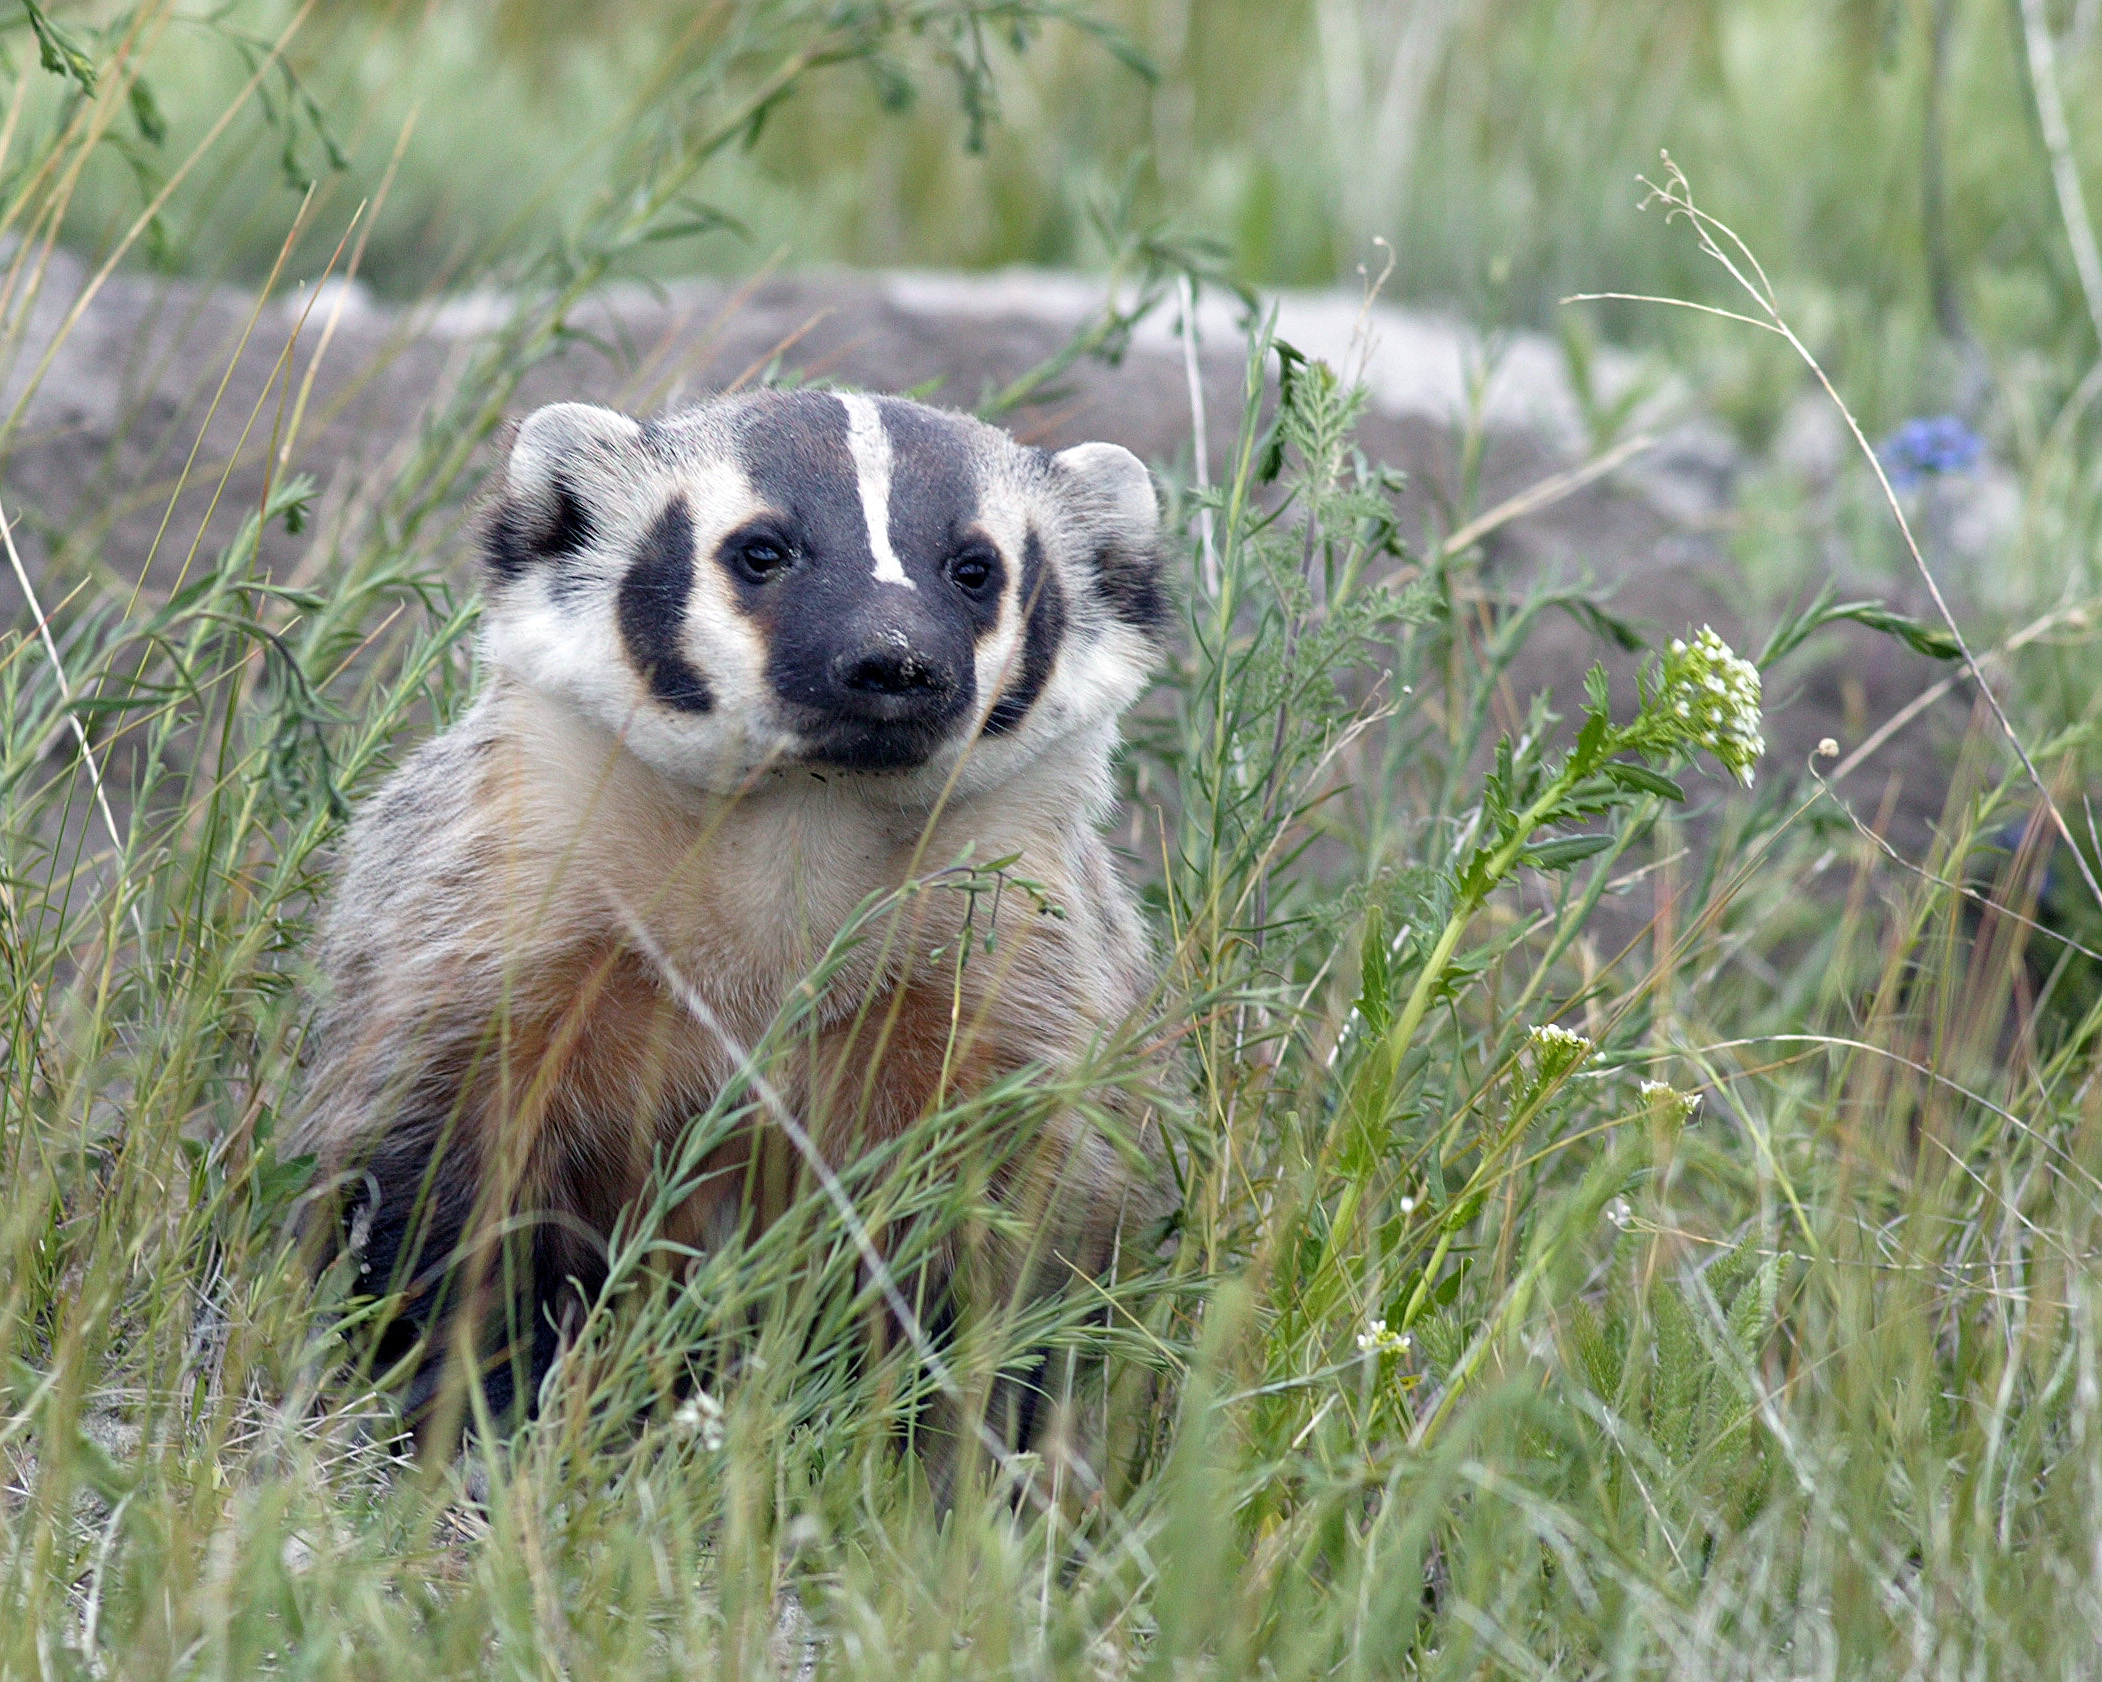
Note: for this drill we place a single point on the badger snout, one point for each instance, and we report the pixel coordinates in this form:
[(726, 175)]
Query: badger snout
[(883, 692), (890, 677)]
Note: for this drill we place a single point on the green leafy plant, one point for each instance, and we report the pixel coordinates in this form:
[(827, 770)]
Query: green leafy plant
[(1624, 1228)]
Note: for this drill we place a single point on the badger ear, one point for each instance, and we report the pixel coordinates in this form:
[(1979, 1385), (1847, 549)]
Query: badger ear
[(561, 461), (1112, 483), (1108, 494)]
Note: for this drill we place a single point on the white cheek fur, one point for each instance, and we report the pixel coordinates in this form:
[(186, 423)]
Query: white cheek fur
[(1100, 672), (567, 645), (997, 664), (717, 638), (578, 659)]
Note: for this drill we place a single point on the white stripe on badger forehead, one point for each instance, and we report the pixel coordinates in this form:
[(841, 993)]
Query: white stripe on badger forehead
[(870, 446)]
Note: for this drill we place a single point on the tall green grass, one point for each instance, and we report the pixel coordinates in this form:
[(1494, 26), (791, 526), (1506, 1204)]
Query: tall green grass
[(1713, 1297)]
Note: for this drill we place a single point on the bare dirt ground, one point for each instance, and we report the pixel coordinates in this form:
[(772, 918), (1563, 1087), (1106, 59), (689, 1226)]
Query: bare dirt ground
[(154, 370)]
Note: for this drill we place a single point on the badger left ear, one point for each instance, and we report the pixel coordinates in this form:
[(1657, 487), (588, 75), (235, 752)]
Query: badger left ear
[(1109, 495), (561, 461)]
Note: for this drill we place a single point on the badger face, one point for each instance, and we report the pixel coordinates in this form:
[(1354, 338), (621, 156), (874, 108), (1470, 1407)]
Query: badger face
[(853, 584)]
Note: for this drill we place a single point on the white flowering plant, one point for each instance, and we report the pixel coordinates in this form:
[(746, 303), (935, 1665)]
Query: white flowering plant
[(1377, 1339), (1557, 1049), (1711, 695), (1668, 1102), (1699, 697)]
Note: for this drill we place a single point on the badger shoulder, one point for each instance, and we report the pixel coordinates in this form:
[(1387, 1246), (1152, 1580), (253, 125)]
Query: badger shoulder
[(402, 925), (423, 813)]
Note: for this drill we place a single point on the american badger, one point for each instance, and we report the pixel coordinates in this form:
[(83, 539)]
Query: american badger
[(750, 665)]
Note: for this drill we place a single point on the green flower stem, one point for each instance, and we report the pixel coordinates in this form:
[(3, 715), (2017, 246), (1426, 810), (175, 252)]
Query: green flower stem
[(1492, 871), (1463, 1206), (1431, 1270), (1412, 1012), (1497, 867)]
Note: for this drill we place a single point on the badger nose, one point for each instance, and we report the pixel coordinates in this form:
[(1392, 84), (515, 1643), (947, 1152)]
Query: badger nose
[(884, 691), (889, 671)]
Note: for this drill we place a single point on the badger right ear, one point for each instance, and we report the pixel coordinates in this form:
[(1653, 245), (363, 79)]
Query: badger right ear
[(561, 457), (1109, 494)]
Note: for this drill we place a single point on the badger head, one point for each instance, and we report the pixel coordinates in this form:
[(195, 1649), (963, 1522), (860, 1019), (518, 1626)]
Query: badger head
[(855, 584)]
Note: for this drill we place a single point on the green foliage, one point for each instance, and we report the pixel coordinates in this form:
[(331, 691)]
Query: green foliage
[(57, 51), (1616, 1237)]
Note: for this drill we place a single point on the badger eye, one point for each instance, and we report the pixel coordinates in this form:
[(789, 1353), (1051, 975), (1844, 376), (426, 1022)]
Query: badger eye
[(972, 570), (760, 556)]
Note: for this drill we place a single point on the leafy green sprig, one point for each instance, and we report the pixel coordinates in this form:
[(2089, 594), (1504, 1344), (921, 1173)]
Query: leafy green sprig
[(1700, 698)]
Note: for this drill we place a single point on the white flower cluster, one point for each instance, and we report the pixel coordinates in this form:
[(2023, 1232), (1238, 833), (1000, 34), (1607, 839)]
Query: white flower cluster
[(1713, 695), (1375, 1339), (1555, 1051), (1663, 1095), (701, 1415), (1558, 1047)]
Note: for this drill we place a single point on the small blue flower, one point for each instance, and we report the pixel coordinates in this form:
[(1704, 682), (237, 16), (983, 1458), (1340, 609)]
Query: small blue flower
[(1928, 445)]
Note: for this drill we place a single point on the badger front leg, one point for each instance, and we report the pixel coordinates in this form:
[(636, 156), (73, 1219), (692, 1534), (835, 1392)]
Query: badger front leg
[(1035, 1201)]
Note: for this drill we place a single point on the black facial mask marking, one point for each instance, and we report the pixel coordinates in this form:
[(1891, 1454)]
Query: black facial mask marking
[(1044, 604), (874, 674), (514, 539), (934, 507), (652, 611)]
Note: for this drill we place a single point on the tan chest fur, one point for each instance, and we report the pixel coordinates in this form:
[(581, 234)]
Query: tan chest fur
[(650, 937)]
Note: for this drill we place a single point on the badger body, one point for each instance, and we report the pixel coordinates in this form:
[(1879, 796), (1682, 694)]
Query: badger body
[(753, 668)]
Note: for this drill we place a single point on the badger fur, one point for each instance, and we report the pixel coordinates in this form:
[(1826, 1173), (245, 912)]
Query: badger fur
[(749, 665)]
